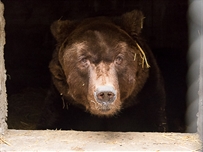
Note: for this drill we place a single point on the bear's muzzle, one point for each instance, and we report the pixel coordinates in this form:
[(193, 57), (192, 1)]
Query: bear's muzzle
[(105, 94)]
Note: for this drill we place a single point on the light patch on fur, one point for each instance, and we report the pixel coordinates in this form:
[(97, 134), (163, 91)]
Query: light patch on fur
[(100, 40), (80, 46), (103, 75), (75, 47), (122, 45)]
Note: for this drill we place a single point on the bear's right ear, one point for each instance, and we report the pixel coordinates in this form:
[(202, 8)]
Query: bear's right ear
[(61, 29), (132, 22)]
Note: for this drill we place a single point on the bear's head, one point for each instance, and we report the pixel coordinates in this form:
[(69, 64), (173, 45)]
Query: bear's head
[(99, 62)]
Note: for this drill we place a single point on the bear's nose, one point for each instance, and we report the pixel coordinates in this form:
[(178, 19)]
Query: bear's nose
[(105, 94)]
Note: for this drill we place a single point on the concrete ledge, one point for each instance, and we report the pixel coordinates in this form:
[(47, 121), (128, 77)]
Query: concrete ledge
[(50, 140)]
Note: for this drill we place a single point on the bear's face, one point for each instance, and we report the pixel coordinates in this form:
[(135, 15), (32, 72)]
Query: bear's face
[(101, 66)]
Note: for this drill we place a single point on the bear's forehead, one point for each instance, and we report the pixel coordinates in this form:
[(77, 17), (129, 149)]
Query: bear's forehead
[(100, 28), (99, 47), (100, 36), (99, 24), (100, 41)]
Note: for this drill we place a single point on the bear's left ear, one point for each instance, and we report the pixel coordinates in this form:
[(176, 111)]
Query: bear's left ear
[(132, 22), (61, 29)]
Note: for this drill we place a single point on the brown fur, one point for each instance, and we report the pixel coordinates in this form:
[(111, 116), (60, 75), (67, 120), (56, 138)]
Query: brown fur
[(100, 51)]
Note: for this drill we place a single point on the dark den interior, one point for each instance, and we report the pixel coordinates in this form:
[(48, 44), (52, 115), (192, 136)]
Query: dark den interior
[(29, 47)]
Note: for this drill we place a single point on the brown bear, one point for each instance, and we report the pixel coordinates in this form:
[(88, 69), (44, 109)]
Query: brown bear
[(104, 77)]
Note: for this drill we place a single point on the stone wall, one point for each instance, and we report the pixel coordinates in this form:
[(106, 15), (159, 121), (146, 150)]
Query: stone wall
[(3, 101)]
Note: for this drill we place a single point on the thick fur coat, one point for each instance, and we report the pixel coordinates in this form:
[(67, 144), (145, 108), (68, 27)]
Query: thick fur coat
[(104, 77)]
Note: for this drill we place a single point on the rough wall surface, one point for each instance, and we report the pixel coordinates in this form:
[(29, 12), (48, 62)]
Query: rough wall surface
[(200, 113), (3, 103)]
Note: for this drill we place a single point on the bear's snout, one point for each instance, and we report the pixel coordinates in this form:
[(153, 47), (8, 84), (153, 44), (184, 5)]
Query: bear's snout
[(105, 95)]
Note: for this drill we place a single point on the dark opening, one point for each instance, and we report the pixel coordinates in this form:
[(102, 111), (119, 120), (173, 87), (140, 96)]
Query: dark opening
[(29, 46)]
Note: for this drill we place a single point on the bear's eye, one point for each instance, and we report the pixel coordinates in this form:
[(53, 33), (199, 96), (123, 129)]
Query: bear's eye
[(84, 60), (119, 60)]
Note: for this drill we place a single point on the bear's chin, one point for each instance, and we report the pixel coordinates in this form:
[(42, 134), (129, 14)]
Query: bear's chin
[(103, 110)]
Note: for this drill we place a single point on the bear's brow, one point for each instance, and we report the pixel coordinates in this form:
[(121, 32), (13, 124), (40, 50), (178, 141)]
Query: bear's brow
[(80, 45)]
